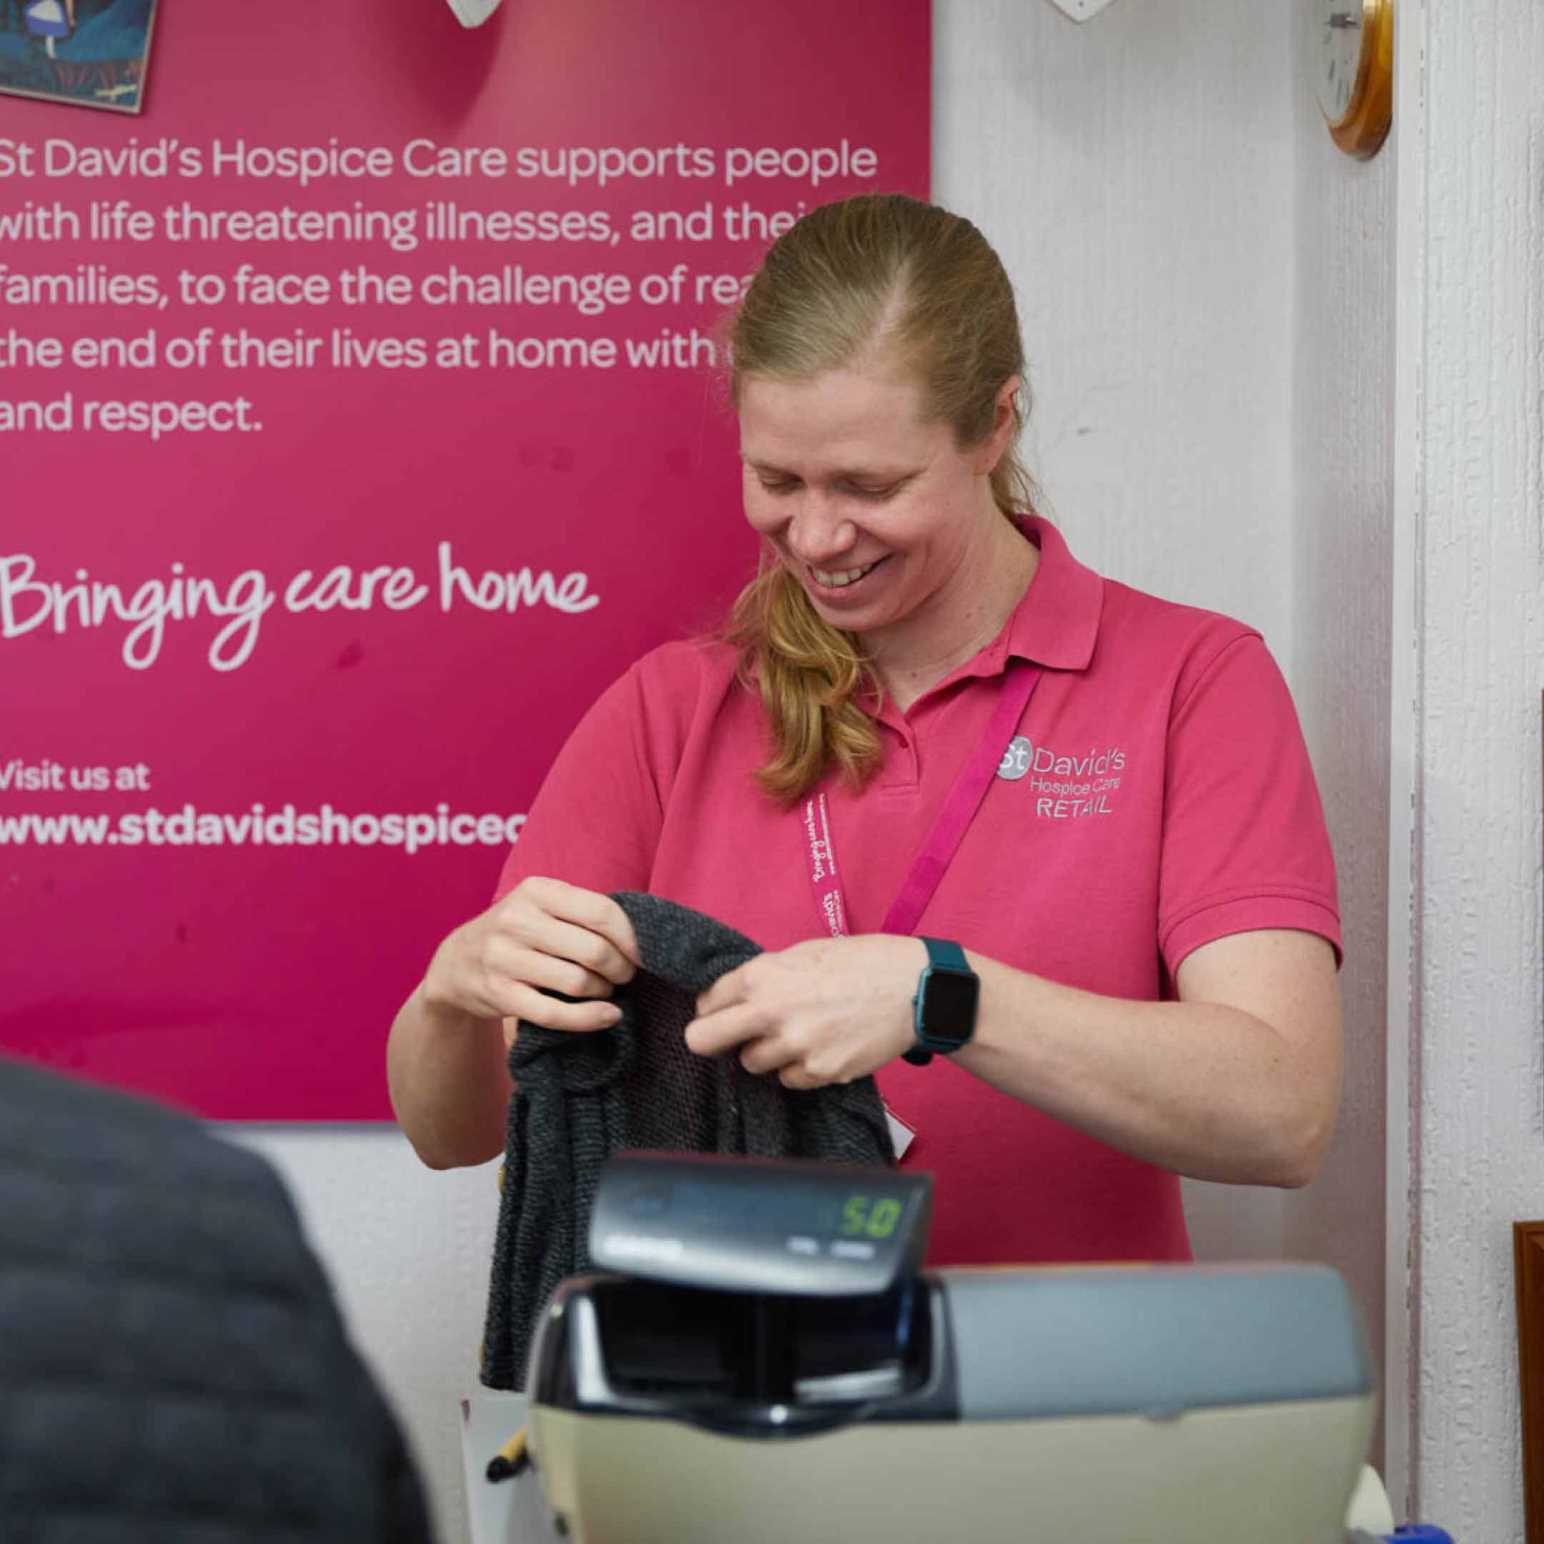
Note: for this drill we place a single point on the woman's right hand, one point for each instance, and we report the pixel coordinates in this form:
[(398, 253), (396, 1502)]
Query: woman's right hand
[(544, 934)]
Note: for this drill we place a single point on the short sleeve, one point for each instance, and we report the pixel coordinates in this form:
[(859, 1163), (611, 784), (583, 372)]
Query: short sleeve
[(1244, 840), (596, 819)]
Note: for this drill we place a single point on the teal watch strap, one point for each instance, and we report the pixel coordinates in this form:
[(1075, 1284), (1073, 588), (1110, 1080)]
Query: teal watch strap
[(944, 1009), (943, 953)]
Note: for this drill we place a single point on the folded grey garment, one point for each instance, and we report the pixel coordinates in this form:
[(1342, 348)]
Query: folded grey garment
[(581, 1097)]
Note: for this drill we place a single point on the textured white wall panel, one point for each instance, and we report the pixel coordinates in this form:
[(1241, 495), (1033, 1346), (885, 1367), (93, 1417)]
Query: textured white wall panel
[(1343, 399), (1481, 1133), (1136, 174)]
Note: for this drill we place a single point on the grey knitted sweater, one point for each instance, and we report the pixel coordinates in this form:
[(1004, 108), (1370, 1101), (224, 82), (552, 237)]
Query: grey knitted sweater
[(580, 1098)]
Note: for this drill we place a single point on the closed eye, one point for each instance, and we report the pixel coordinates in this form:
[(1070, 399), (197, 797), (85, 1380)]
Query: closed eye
[(855, 490)]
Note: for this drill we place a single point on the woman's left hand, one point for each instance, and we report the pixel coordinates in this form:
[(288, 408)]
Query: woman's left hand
[(825, 1011)]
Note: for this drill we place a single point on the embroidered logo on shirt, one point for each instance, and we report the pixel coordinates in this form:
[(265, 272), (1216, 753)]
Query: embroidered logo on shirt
[(1065, 787)]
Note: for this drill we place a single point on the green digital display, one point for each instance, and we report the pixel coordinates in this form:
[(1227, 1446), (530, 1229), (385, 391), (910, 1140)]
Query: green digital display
[(865, 1217), (730, 1204), (790, 1226)]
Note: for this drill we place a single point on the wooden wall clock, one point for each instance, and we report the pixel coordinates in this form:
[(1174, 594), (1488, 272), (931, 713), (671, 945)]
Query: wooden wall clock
[(1353, 64)]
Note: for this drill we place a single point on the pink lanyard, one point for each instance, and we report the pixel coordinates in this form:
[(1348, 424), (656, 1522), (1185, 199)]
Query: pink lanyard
[(943, 841)]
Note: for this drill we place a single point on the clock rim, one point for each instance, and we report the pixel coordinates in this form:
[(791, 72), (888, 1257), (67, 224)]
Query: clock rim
[(1365, 123)]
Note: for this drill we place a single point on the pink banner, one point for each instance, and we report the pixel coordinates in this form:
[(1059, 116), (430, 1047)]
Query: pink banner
[(359, 421)]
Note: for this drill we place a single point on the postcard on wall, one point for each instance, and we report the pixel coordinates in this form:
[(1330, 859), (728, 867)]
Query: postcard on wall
[(89, 53)]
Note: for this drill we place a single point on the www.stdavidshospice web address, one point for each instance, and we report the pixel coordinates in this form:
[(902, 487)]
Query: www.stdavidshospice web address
[(258, 826)]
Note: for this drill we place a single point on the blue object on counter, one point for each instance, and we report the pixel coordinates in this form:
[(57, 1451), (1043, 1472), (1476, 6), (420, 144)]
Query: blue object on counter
[(1419, 1533)]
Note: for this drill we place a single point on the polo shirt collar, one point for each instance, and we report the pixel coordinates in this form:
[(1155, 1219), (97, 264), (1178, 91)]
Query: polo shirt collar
[(1057, 622)]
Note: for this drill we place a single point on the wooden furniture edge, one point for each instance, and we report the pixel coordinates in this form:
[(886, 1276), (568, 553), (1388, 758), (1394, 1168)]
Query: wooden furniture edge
[(1528, 1263)]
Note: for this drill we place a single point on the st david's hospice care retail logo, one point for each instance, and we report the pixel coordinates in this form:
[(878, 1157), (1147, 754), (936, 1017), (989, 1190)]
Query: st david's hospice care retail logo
[(1064, 787)]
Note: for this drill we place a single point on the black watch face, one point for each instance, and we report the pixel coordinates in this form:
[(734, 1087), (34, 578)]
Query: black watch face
[(949, 1006)]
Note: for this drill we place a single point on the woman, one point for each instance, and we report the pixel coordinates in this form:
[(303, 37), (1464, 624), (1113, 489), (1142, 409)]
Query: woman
[(1138, 877)]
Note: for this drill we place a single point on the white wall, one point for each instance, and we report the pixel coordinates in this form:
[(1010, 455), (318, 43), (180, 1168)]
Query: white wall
[(1342, 461), (1136, 174), (1473, 348), (1139, 175)]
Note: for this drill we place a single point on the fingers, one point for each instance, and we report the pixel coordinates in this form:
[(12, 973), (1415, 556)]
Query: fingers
[(531, 1006), (763, 1050), (769, 1054), (714, 1033), (728, 1018), (762, 1055), (506, 960), (550, 936), (590, 951), (730, 988), (545, 936), (575, 923), (519, 976), (797, 1076)]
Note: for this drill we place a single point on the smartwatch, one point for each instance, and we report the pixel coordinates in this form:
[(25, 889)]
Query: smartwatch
[(944, 1009)]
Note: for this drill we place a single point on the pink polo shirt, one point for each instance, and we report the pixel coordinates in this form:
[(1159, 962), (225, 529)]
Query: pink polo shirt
[(1165, 799)]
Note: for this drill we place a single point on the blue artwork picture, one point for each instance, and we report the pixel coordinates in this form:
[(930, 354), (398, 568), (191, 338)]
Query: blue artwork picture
[(92, 53)]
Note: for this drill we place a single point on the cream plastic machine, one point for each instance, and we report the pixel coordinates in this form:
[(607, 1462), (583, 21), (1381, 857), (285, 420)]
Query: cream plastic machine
[(760, 1357)]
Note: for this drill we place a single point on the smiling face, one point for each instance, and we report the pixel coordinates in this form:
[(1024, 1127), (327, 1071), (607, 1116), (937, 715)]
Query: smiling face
[(876, 511)]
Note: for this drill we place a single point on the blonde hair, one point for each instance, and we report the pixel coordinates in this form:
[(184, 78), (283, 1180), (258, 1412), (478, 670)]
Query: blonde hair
[(881, 270)]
